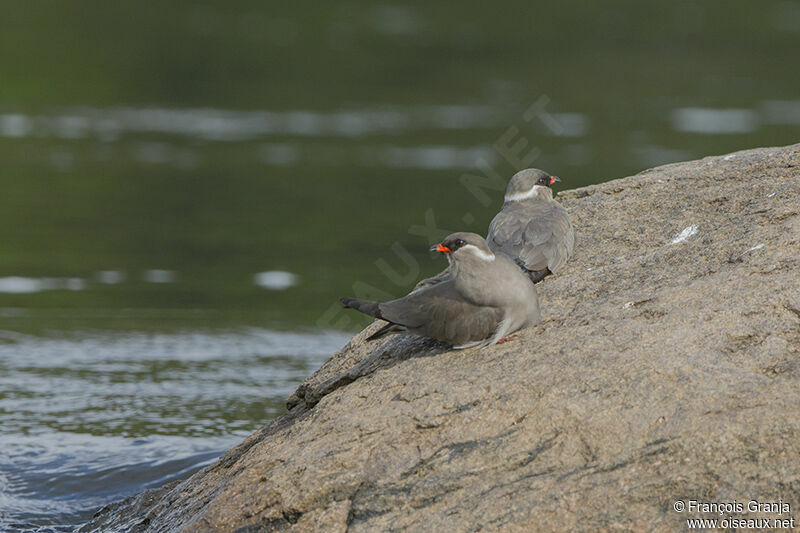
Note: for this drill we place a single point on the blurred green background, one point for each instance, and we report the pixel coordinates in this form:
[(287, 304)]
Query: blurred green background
[(157, 157)]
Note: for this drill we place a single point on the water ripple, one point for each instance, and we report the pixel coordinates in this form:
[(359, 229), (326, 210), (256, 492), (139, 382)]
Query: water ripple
[(93, 418)]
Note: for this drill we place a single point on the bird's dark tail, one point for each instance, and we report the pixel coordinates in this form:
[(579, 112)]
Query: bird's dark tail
[(372, 309), (365, 306)]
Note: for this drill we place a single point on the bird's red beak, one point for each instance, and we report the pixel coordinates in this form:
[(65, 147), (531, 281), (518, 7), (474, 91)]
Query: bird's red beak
[(442, 248), (553, 179)]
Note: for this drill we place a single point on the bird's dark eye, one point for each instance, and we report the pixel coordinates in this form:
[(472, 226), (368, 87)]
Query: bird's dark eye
[(459, 243)]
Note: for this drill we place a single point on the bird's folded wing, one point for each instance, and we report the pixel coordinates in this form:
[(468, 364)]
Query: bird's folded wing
[(440, 312), (516, 226), (559, 248), (537, 234)]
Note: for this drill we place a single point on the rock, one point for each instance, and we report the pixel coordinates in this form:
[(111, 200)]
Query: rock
[(667, 367)]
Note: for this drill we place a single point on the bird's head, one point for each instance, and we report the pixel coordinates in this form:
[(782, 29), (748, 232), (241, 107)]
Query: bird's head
[(457, 245), (529, 183)]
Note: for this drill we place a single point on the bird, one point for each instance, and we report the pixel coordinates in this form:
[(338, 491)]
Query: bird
[(532, 228), (485, 298)]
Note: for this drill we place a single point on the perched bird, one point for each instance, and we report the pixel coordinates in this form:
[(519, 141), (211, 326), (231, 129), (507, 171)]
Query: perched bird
[(485, 297), (532, 228)]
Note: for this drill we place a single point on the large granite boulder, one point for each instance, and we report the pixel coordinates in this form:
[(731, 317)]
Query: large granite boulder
[(666, 368)]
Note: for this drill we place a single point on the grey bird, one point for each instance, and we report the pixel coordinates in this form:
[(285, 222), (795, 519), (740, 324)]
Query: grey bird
[(532, 228), (485, 298)]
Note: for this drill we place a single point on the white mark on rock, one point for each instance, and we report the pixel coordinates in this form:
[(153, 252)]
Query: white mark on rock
[(729, 157), (684, 235), (770, 195), (737, 258)]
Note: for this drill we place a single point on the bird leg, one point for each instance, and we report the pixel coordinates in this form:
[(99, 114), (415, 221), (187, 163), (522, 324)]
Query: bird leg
[(505, 339), (538, 275)]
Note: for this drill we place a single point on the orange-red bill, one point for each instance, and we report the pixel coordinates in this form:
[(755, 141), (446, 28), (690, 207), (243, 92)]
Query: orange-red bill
[(442, 248)]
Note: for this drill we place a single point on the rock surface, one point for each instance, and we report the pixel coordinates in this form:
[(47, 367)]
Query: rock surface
[(667, 367)]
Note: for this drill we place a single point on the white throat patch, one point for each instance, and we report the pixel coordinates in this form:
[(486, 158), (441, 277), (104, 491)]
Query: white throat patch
[(485, 256), (534, 191)]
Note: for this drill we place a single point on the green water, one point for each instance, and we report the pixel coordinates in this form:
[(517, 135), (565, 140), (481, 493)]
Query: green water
[(201, 169), (345, 123)]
